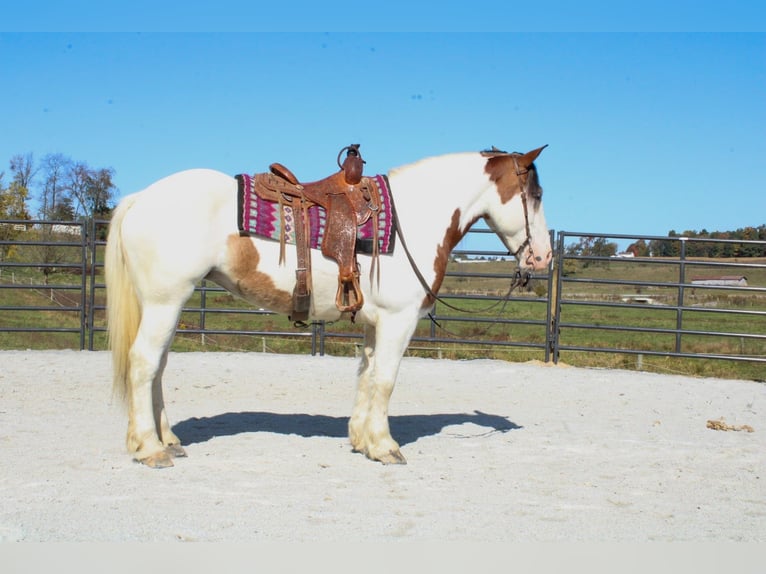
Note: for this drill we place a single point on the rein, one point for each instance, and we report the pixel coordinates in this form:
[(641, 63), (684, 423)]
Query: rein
[(518, 280)]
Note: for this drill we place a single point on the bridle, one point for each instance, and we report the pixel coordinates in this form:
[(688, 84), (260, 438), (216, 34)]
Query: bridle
[(519, 279), (528, 239)]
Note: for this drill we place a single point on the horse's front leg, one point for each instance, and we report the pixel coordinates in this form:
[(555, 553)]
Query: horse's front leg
[(369, 430), (358, 420)]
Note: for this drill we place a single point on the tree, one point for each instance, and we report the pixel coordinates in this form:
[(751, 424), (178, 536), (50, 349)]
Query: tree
[(665, 248), (3, 198), (694, 248), (12, 206), (639, 248), (747, 249), (603, 248), (592, 246), (91, 190), (23, 169), (54, 203), (13, 201)]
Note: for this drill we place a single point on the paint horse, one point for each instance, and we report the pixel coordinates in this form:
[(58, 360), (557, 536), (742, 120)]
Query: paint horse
[(153, 262)]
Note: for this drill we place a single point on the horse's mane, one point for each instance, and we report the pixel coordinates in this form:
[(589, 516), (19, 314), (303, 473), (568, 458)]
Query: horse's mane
[(534, 189), (409, 166)]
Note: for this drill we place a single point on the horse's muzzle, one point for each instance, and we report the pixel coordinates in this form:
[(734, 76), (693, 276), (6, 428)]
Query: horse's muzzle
[(531, 260)]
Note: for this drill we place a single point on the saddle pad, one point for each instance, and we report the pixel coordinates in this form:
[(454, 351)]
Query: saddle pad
[(259, 217)]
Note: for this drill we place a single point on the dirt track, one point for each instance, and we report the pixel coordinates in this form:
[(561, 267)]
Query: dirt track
[(497, 451)]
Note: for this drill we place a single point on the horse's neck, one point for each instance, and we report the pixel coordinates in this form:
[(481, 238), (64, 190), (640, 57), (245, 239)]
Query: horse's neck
[(428, 194)]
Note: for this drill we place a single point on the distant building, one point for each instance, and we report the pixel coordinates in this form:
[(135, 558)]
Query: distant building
[(726, 280), (638, 299), (14, 226), (66, 229)]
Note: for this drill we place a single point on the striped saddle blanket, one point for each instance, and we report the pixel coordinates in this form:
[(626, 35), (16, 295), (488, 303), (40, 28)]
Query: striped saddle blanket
[(259, 217)]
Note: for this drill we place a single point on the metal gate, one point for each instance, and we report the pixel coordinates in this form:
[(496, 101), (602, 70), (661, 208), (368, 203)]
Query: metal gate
[(681, 305)]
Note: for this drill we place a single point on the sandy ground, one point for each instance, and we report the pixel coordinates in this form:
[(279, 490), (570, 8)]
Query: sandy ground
[(497, 452)]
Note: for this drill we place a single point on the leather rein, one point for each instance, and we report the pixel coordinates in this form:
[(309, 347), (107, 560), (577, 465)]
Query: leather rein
[(518, 280)]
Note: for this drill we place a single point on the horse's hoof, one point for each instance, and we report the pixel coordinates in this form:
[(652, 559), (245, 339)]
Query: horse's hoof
[(175, 451), (158, 460), (393, 457)]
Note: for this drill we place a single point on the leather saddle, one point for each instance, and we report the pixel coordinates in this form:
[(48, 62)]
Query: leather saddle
[(349, 199)]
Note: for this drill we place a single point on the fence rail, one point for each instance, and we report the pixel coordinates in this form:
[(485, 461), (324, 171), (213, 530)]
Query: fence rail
[(673, 294), (51, 286)]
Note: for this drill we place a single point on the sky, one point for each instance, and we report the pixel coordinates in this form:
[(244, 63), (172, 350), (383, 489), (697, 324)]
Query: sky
[(648, 131)]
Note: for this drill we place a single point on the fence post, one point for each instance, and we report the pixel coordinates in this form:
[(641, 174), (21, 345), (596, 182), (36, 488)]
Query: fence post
[(681, 281), (317, 337), (202, 311), (558, 264), (548, 305), (92, 280), (84, 314)]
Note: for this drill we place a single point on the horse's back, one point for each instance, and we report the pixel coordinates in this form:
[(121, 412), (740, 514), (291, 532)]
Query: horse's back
[(186, 200), (189, 186)]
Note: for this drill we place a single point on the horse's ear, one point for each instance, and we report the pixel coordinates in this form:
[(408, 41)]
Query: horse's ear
[(529, 157)]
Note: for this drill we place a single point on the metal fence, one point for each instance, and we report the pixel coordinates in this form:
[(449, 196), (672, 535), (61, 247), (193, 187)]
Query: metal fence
[(689, 307), (51, 288), (34, 255)]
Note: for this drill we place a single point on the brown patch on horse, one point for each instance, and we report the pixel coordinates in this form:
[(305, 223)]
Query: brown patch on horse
[(502, 171), (252, 284), (452, 237)]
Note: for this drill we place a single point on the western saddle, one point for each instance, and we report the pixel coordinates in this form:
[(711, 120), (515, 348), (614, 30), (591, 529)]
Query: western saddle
[(349, 200)]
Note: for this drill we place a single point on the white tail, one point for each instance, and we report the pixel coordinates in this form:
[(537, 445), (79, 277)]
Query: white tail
[(122, 306)]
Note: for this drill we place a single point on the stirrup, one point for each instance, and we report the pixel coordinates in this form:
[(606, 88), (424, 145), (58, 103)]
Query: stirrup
[(349, 297), (301, 306)]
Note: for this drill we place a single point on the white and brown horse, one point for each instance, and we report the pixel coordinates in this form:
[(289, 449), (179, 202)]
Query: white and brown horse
[(153, 262)]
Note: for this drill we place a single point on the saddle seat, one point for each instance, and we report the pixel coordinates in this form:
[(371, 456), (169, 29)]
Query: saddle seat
[(349, 200)]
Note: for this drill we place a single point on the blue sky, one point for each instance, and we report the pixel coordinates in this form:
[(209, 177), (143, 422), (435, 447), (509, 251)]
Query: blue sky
[(647, 131)]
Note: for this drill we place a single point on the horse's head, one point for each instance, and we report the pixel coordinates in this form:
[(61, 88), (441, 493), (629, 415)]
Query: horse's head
[(515, 207)]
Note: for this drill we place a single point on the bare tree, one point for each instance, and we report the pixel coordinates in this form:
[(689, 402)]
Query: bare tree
[(54, 200), (78, 178), (101, 192), (91, 190), (23, 169)]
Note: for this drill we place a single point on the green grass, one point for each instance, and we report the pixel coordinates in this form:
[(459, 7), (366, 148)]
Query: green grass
[(579, 287), (345, 341)]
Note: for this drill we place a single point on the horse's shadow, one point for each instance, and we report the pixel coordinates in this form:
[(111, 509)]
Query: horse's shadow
[(405, 428)]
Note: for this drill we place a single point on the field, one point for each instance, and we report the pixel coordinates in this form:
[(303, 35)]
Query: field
[(600, 309)]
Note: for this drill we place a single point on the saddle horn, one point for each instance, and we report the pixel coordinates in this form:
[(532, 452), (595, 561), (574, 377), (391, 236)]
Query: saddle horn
[(353, 165)]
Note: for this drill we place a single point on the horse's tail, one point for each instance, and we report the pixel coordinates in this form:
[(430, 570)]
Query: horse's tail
[(123, 309)]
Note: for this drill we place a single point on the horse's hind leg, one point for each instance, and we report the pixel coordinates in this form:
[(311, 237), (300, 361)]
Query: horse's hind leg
[(167, 436), (148, 427)]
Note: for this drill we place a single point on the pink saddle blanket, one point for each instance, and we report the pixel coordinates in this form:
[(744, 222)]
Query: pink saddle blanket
[(260, 217)]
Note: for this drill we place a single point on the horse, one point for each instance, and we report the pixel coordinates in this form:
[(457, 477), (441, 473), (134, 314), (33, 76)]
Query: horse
[(153, 262)]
